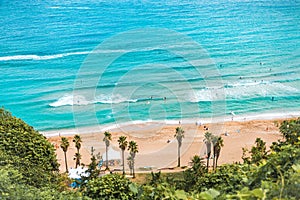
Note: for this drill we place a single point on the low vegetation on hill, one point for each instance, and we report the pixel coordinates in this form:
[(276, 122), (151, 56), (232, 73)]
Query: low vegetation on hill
[(29, 170)]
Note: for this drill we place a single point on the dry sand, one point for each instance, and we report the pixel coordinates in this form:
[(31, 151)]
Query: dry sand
[(155, 151)]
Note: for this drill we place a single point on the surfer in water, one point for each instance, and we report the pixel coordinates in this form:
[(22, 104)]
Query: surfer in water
[(232, 115)]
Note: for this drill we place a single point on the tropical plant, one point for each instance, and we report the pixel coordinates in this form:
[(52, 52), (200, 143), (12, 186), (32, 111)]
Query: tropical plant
[(133, 149), (290, 130), (257, 152), (208, 140), (19, 139), (13, 186), (111, 186), (218, 143), (123, 145), (160, 191), (130, 164), (192, 174), (77, 140), (65, 145), (77, 158), (227, 179), (92, 171), (179, 135), (107, 139)]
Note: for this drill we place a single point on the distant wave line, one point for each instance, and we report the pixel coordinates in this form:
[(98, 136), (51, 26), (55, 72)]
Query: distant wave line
[(54, 56), (78, 100)]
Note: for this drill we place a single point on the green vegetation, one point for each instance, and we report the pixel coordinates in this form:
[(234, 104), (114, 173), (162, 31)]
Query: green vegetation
[(65, 145), (107, 139), (77, 140), (133, 149), (29, 170), (208, 139), (123, 145), (112, 186), (28, 165), (217, 146)]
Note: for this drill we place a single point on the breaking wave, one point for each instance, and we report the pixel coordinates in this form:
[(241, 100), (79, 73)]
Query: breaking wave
[(78, 100), (243, 90)]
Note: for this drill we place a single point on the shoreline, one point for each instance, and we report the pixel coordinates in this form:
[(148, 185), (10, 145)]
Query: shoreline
[(158, 147), (215, 120)]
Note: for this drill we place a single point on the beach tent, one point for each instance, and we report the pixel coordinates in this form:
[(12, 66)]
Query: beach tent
[(112, 154)]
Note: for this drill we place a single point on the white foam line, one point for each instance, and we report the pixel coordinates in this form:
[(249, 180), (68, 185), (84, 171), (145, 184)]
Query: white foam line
[(112, 127), (54, 56)]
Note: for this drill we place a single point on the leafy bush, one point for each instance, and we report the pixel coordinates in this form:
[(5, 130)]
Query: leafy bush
[(12, 186), (111, 186), (27, 151), (226, 179), (19, 139)]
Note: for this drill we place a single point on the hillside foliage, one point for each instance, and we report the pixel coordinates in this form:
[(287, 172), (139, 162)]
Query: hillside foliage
[(29, 170)]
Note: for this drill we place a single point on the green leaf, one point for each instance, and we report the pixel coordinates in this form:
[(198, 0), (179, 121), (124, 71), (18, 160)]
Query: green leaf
[(258, 193), (133, 188), (180, 194), (214, 193)]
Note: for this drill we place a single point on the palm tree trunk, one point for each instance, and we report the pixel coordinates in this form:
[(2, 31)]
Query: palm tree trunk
[(214, 157), (106, 153), (207, 164), (133, 174), (66, 162), (123, 162), (78, 158), (178, 165), (217, 157)]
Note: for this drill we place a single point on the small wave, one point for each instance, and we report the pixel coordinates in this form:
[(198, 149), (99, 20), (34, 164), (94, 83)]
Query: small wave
[(78, 100), (37, 57), (55, 56), (73, 7), (245, 84), (246, 90), (70, 100), (114, 99)]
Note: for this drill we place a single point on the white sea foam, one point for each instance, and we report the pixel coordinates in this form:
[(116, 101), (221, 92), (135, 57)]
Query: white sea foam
[(55, 56), (220, 119), (243, 90), (69, 100), (79, 100), (39, 57)]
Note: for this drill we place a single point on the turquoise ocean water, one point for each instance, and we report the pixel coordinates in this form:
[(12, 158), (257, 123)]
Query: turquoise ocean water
[(254, 44)]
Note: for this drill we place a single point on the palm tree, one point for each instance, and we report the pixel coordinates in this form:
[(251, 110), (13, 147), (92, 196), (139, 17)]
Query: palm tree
[(133, 149), (217, 149), (130, 164), (77, 140), (65, 145), (77, 158), (179, 135), (208, 139), (107, 139), (123, 145), (214, 140)]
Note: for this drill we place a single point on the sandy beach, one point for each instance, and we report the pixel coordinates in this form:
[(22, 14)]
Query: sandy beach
[(158, 147)]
